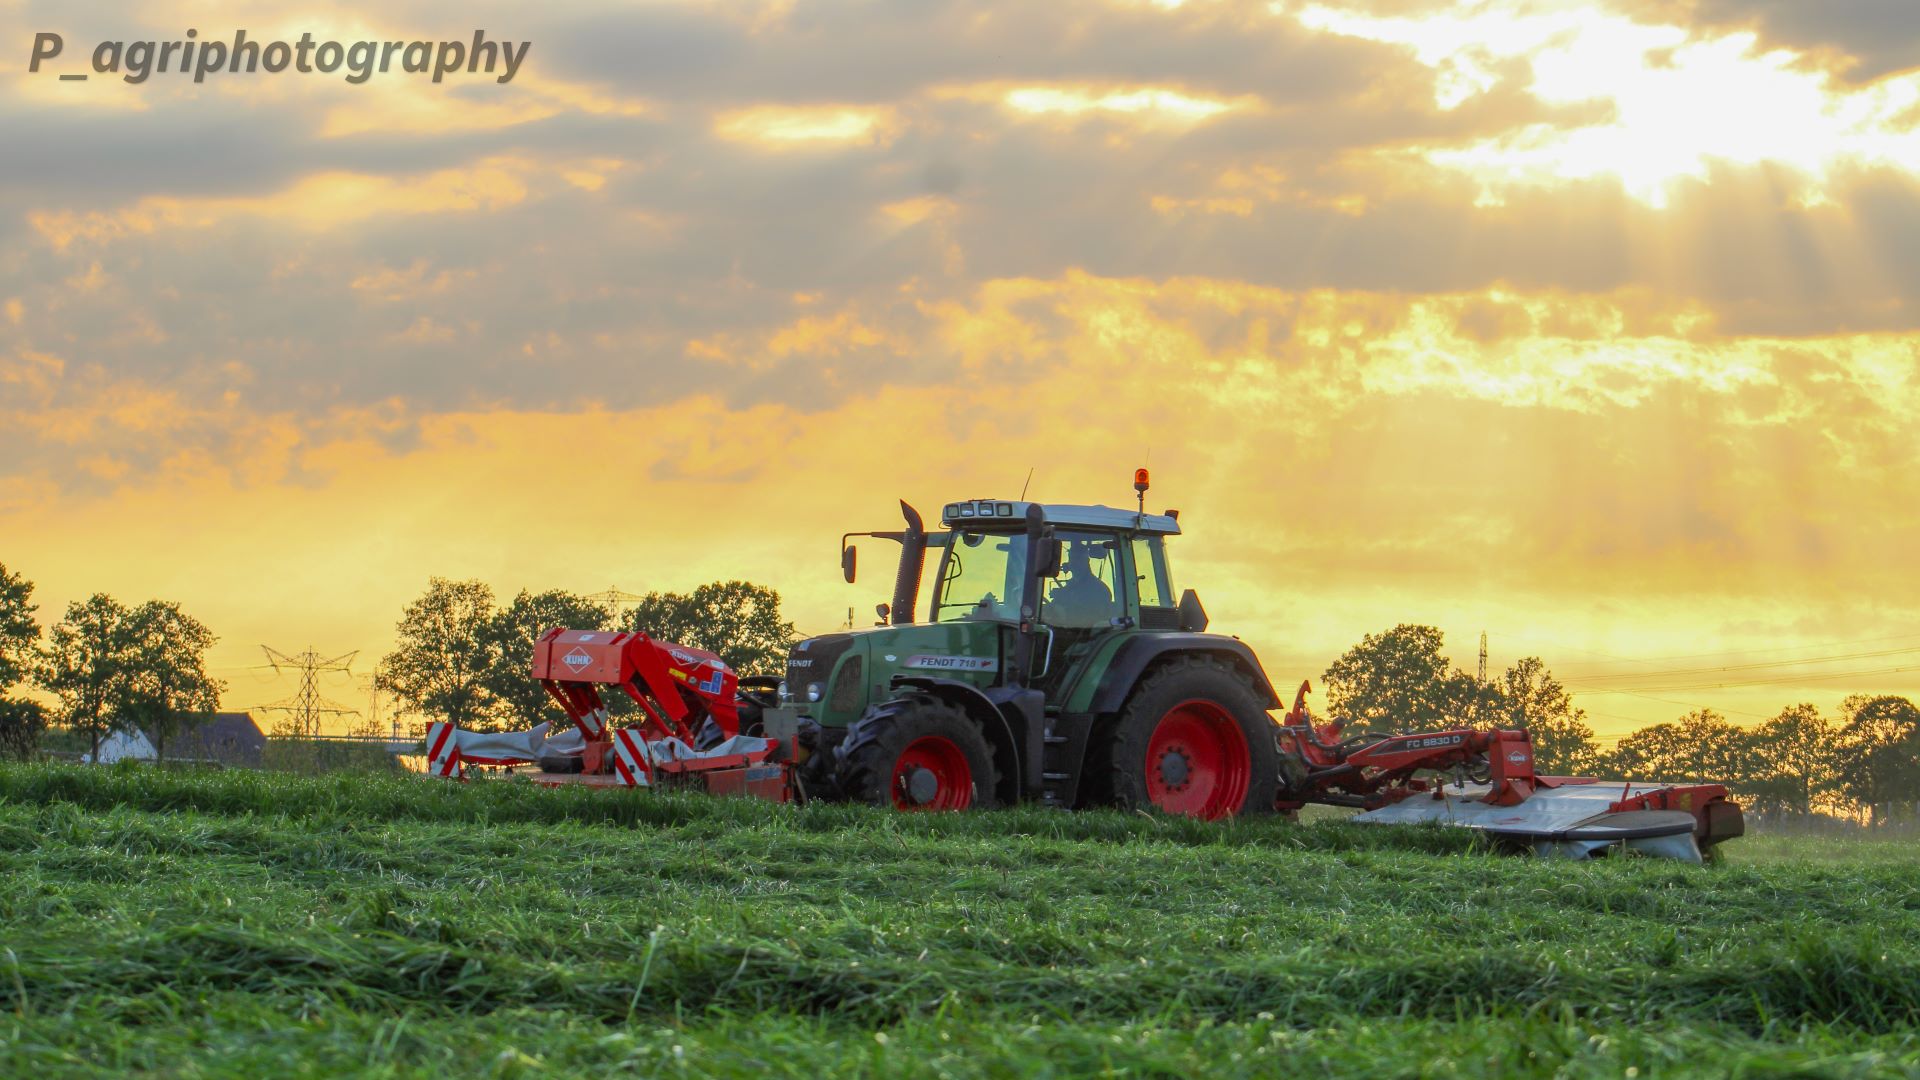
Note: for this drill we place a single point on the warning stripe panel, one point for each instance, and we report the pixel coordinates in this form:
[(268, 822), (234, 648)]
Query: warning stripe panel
[(437, 735), (443, 750), (630, 758)]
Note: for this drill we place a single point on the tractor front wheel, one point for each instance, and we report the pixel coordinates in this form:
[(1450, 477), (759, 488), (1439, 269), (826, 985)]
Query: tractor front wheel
[(1193, 740), (930, 757)]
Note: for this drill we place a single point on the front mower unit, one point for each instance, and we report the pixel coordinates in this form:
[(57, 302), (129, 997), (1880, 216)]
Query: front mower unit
[(688, 734)]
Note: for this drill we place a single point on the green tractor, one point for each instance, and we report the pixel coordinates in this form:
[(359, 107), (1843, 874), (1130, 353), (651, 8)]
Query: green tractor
[(1053, 665)]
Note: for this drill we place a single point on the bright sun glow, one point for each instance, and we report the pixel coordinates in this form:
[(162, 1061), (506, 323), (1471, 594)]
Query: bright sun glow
[(1044, 99), (776, 125), (1678, 101)]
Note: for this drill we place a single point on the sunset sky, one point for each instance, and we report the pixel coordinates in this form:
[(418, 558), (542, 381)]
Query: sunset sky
[(1591, 326)]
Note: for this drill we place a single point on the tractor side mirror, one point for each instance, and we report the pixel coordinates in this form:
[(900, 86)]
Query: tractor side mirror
[(1192, 616), (885, 611), (1052, 553), (849, 559)]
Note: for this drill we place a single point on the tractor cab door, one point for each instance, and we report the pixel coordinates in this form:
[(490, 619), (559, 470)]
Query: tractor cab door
[(1090, 598)]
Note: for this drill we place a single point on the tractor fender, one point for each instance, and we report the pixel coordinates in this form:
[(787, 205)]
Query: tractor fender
[(1078, 733), (1142, 651), (1003, 722)]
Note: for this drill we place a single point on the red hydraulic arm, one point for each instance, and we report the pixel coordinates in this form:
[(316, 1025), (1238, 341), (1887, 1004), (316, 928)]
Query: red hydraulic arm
[(676, 686), (1367, 773)]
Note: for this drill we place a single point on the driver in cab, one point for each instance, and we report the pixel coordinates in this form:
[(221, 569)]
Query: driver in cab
[(1082, 600)]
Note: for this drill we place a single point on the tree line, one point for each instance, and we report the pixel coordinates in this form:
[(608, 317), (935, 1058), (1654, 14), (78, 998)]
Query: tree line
[(109, 667), (462, 657), (1862, 762)]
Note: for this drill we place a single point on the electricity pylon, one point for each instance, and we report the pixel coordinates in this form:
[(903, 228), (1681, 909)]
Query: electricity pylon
[(615, 598), (305, 708), (616, 602)]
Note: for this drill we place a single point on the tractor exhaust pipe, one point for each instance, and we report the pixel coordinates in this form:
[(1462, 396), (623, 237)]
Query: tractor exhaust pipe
[(913, 557)]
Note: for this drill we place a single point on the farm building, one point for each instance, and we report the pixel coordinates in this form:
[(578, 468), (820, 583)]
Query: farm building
[(231, 739), (123, 746)]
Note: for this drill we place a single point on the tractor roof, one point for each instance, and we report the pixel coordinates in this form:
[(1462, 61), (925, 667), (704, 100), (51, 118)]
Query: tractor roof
[(1013, 513)]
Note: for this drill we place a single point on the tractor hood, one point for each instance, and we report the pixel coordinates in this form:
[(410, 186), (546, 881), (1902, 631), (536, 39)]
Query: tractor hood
[(812, 662), (834, 677)]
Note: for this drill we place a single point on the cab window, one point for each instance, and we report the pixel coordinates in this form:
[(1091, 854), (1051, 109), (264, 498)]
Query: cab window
[(1150, 566), (1088, 592)]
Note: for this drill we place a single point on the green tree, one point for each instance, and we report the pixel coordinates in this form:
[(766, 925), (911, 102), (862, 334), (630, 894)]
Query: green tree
[(19, 631), (163, 687), (1530, 697), (440, 664), (1795, 763), (83, 665), (21, 722), (1700, 747), (1399, 681), (737, 620), (511, 633), (1880, 755)]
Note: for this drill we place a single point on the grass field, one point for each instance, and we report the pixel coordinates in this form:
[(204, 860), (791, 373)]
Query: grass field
[(250, 924)]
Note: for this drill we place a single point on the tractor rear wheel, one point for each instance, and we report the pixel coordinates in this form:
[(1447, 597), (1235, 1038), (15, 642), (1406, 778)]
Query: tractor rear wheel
[(930, 757), (1194, 740)]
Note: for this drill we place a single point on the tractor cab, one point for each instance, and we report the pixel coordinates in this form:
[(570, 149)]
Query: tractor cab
[(1016, 595), (1108, 567), (1091, 572)]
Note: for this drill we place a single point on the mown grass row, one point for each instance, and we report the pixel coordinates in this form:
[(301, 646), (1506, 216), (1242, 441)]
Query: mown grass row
[(1851, 982), (238, 1036), (243, 924), (364, 797)]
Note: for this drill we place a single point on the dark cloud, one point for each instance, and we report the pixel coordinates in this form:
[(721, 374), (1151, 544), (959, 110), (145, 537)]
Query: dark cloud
[(879, 52), (1875, 37)]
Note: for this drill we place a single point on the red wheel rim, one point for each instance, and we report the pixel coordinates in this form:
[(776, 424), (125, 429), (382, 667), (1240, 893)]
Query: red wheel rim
[(932, 774), (1197, 761)]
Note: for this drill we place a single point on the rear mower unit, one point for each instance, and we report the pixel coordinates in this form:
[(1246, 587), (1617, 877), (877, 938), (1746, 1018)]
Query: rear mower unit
[(1053, 665)]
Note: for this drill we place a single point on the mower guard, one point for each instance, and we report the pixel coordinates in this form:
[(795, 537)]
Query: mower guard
[(1582, 820)]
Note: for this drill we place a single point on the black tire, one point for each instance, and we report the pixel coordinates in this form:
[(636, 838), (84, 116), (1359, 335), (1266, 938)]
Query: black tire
[(1204, 701), (929, 735)]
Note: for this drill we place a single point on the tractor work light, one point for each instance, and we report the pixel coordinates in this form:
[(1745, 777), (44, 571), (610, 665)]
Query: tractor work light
[(980, 508)]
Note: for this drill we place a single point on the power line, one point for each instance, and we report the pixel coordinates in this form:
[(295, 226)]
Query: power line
[(1665, 701), (1789, 680), (305, 708), (1669, 681), (1758, 666), (1722, 652)]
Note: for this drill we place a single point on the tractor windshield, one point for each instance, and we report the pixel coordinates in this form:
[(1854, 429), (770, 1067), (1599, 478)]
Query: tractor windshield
[(980, 577)]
